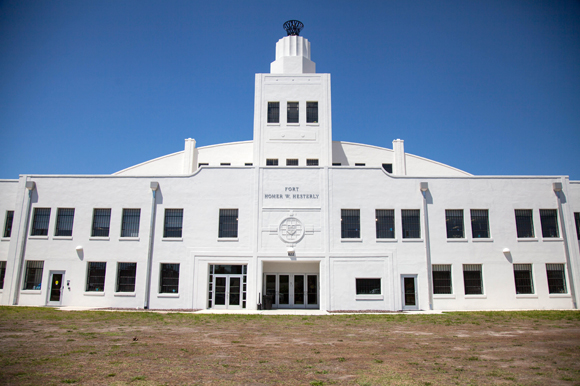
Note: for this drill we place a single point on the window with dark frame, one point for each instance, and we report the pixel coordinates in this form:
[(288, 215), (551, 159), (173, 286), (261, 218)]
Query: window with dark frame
[(577, 220), (350, 223), (411, 223), (96, 276), (2, 273), (549, 221), (126, 274), (40, 222), (64, 221), (454, 223), (33, 276), (311, 162), (8, 223), (101, 222), (291, 162), (173, 224), (385, 223), (130, 222), (524, 223), (273, 112), (169, 279), (472, 279), (556, 278), (480, 223), (292, 112), (523, 279), (368, 286), (272, 162), (228, 225), (388, 168), (311, 112), (441, 279)]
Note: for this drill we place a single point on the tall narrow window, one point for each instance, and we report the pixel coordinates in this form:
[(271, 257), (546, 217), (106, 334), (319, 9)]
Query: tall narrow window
[(291, 162), (8, 223), (96, 276), (2, 273), (385, 221), (549, 220), (480, 223), (130, 223), (101, 222), (411, 223), (311, 112), (523, 278), (126, 273), (169, 279), (556, 278), (40, 222), (524, 223), (272, 162), (64, 221), (273, 112), (312, 162), (33, 279), (350, 223), (172, 226), (442, 279), (454, 223), (472, 280), (228, 223), (292, 110), (577, 219)]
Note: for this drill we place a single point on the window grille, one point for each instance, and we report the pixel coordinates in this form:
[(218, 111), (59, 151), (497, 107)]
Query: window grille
[(272, 162), (523, 278), (172, 226), (291, 162), (385, 222), (292, 109), (472, 280), (311, 112), (228, 226), (126, 273), (2, 273), (549, 221), (577, 219), (33, 280), (169, 279), (411, 223), (311, 162), (479, 223), (556, 278), (454, 223), (8, 223), (442, 279), (101, 222), (273, 112), (96, 276), (350, 223), (368, 286), (388, 168), (130, 223), (64, 221), (524, 223), (40, 222)]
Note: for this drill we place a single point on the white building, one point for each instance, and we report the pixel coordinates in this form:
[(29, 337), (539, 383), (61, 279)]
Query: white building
[(316, 223)]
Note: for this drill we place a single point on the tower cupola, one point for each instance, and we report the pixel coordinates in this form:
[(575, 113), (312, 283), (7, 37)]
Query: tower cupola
[(293, 52)]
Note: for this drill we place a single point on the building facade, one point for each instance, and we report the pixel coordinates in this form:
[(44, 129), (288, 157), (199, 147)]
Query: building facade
[(311, 222)]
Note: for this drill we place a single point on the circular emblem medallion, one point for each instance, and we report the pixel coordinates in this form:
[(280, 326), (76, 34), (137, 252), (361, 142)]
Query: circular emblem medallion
[(291, 230)]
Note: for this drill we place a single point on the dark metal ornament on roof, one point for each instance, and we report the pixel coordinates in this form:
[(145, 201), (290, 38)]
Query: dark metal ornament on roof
[(293, 27)]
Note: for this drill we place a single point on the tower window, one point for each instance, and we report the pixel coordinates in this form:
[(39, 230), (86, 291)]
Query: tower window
[(311, 162), (292, 110), (291, 162), (273, 112), (311, 112), (272, 162)]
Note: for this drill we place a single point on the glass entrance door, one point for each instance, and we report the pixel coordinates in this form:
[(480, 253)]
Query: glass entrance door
[(292, 290), (56, 288), (409, 284), (227, 291)]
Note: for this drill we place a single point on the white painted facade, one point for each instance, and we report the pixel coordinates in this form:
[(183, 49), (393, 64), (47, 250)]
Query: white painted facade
[(286, 237)]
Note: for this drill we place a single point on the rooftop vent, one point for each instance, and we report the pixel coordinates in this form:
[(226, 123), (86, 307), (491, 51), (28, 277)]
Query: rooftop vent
[(293, 27)]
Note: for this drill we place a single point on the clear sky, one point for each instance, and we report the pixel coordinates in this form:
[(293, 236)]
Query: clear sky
[(93, 87)]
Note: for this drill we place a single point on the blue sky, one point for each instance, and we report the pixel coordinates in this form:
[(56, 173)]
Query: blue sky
[(93, 87)]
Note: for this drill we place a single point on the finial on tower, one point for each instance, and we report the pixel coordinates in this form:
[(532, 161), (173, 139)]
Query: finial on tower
[(293, 27)]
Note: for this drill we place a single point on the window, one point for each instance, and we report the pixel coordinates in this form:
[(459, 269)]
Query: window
[(311, 162), (130, 223), (96, 276), (172, 226), (169, 279), (8, 223), (2, 273), (454, 223), (577, 219), (336, 164), (385, 221), (126, 273), (273, 112), (40, 222), (225, 164), (472, 280), (388, 168), (311, 112), (359, 164), (249, 164), (33, 279), (292, 110), (291, 162), (202, 164), (411, 223), (350, 223), (556, 278), (272, 162), (64, 221), (101, 222), (368, 286), (523, 278), (524, 223), (549, 221), (479, 223), (442, 279), (228, 223)]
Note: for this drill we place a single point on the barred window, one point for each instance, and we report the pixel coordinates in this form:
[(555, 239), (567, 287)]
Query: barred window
[(577, 219), (350, 223), (454, 222), (411, 223), (480, 223), (101, 222), (442, 279), (33, 279), (228, 226), (311, 112), (523, 278), (549, 221), (273, 112), (292, 162), (173, 224), (126, 273), (388, 168), (368, 286), (385, 222), (272, 162), (130, 223), (64, 221), (8, 223), (169, 279), (40, 222), (292, 109), (2, 273), (524, 223), (96, 276), (472, 280), (556, 278), (311, 162)]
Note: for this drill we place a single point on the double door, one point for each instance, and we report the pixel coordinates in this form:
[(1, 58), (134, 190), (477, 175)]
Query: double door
[(227, 291), (292, 290)]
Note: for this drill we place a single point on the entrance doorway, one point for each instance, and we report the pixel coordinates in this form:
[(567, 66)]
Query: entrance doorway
[(227, 286), (296, 290), (56, 288), (409, 287)]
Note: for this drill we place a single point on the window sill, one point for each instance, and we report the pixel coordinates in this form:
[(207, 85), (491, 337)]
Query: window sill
[(527, 239), (129, 239), (475, 296), (5, 239), (272, 124), (457, 240), (548, 239), (38, 237), (234, 239), (386, 240), (526, 296), (94, 293), (30, 292), (369, 297), (312, 124), (351, 240), (62, 238), (167, 295), (125, 294), (559, 296), (443, 296), (172, 239), (293, 124), (412, 240), (482, 240), (99, 238)]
